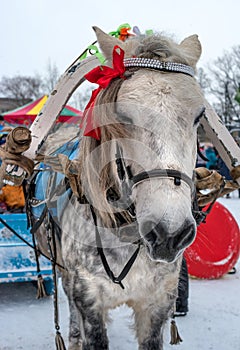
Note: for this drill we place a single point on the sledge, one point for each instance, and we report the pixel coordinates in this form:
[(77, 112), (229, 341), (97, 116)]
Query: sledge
[(72, 78), (23, 151)]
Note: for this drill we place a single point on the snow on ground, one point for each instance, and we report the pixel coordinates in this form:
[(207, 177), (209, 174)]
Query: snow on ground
[(211, 324)]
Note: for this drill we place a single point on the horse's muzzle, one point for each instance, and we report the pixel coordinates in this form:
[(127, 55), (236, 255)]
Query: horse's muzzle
[(165, 246)]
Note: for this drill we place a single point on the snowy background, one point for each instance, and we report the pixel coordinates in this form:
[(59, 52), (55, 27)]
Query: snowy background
[(211, 324)]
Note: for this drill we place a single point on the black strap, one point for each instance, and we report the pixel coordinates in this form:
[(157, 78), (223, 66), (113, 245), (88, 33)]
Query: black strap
[(39, 222), (198, 214), (25, 241), (127, 267), (177, 175)]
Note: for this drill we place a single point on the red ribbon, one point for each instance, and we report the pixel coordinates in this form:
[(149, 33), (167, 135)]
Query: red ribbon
[(101, 75)]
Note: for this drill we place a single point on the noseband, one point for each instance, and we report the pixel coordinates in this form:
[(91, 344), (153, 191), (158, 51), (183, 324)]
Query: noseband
[(163, 173), (129, 181)]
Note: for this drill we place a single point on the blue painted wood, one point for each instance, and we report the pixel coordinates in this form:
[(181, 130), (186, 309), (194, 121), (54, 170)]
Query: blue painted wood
[(17, 259)]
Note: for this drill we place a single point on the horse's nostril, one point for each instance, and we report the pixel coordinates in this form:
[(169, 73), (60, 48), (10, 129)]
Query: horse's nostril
[(185, 238), (151, 237), (147, 231)]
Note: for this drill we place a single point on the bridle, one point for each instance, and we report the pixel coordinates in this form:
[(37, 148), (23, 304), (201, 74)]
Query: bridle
[(128, 181)]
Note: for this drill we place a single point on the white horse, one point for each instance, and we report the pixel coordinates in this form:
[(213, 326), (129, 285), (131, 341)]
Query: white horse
[(135, 190)]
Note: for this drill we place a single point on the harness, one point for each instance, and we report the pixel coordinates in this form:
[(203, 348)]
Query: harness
[(72, 78), (128, 181)]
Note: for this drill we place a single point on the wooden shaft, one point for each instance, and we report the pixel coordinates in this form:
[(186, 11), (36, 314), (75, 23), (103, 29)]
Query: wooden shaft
[(67, 84), (221, 138)]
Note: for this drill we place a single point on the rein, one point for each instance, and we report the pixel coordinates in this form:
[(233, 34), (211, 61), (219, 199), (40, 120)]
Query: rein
[(127, 267)]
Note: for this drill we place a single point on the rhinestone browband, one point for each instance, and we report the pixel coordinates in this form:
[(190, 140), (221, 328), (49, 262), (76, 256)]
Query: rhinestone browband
[(159, 65)]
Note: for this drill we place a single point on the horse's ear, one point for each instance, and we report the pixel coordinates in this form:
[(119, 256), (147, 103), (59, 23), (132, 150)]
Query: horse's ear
[(192, 49), (107, 43)]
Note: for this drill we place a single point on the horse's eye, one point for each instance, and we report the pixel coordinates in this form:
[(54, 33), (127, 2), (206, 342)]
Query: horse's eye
[(197, 120), (122, 118)]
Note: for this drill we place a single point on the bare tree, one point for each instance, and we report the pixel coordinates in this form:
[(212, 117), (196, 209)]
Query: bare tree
[(80, 99), (51, 77), (222, 84), (21, 88), (203, 80)]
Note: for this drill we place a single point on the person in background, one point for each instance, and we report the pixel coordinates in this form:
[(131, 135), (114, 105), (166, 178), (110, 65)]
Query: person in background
[(201, 162), (212, 157), (13, 198), (3, 137), (224, 171), (3, 127), (1, 123)]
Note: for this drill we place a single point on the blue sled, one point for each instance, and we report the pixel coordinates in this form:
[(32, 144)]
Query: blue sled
[(17, 259)]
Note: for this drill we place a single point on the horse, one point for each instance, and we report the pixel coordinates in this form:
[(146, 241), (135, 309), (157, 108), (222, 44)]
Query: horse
[(124, 234)]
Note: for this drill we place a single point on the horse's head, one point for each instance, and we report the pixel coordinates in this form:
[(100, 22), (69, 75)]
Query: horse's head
[(157, 113)]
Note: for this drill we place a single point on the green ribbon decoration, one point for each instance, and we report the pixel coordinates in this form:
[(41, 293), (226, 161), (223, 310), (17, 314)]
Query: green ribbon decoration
[(93, 50), (83, 55), (117, 32), (149, 32)]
